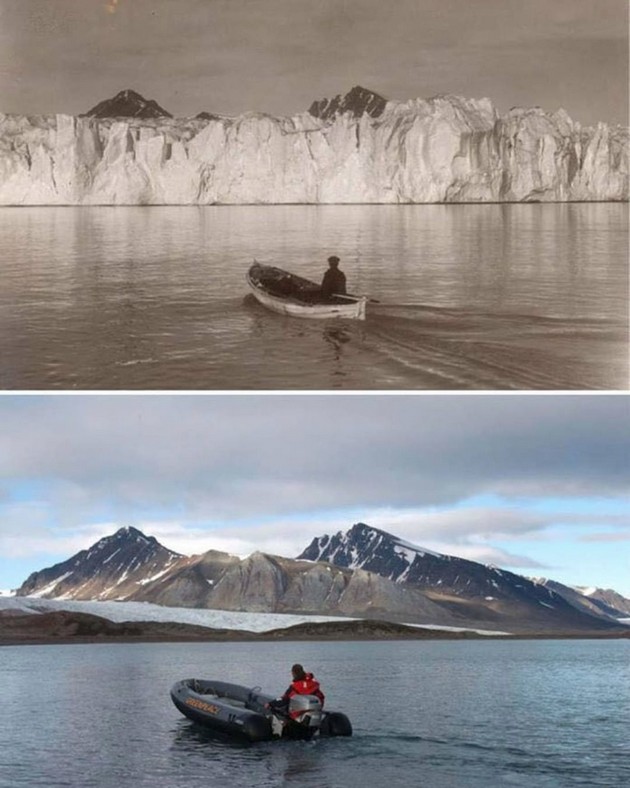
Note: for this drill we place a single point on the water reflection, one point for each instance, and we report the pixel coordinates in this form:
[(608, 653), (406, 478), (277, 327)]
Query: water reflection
[(190, 737), (245, 763), (439, 713), (156, 297)]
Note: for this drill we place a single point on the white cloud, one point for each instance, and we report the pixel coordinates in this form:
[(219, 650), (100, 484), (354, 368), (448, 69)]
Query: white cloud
[(463, 532), (239, 474), (606, 537), (224, 458)]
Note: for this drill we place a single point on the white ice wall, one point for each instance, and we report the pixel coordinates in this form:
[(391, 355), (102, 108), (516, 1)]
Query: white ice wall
[(445, 149)]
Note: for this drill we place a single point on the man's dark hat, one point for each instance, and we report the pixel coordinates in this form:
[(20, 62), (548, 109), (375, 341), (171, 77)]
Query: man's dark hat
[(334, 259)]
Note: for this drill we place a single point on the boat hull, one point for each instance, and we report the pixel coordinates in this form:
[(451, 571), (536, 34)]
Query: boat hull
[(242, 713), (301, 298)]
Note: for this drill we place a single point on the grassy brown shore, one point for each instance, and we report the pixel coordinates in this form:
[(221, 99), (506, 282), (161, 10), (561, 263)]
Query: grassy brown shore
[(62, 627)]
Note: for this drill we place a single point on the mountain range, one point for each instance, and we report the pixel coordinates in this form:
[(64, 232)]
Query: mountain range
[(364, 572), (130, 104), (357, 147)]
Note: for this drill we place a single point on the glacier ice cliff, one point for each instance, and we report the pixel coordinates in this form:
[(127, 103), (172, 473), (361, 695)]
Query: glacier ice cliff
[(443, 149)]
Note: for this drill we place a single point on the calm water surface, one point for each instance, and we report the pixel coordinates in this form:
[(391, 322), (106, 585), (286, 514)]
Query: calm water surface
[(472, 297), (441, 714)]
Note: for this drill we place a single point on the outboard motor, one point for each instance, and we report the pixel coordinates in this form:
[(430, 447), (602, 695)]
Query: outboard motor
[(306, 710)]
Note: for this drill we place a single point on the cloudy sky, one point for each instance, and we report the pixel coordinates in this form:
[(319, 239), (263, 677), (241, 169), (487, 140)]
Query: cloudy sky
[(536, 484), (277, 56)]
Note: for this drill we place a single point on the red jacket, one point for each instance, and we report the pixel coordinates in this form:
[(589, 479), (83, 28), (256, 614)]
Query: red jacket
[(306, 686)]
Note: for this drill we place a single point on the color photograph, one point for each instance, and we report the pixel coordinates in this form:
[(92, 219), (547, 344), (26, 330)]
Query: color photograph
[(314, 393), (337, 590)]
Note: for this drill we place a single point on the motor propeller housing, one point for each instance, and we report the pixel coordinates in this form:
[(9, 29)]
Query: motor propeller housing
[(306, 709)]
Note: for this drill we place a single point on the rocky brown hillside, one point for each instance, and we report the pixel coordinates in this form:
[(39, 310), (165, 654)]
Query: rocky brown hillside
[(364, 573)]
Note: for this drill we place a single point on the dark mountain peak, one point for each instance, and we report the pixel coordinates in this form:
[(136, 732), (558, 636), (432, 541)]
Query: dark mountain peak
[(127, 537), (206, 116), (131, 534), (129, 95), (101, 570), (361, 530), (131, 540), (358, 101), (366, 547), (358, 93), (128, 104), (449, 578)]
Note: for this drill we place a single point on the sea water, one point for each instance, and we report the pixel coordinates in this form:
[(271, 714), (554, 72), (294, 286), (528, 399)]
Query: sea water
[(527, 296), (440, 714)]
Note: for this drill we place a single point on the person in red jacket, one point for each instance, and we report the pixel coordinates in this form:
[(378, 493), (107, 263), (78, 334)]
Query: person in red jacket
[(303, 684)]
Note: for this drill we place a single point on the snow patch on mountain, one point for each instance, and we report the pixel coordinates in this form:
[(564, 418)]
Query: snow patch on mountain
[(360, 544), (113, 567), (50, 587), (156, 576), (411, 551)]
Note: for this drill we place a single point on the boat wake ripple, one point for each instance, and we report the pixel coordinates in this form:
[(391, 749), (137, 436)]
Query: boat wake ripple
[(428, 347)]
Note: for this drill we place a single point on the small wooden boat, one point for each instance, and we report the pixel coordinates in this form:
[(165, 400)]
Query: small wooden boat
[(289, 294), (246, 713)]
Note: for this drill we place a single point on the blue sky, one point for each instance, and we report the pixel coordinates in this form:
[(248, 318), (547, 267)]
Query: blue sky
[(537, 484)]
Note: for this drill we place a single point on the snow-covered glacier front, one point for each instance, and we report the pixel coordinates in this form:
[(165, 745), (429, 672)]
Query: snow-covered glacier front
[(442, 149)]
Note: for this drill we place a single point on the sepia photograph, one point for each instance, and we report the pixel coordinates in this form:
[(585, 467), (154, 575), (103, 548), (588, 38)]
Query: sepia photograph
[(331, 195)]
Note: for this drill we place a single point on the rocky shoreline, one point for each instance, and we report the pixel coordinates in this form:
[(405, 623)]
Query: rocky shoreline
[(63, 628)]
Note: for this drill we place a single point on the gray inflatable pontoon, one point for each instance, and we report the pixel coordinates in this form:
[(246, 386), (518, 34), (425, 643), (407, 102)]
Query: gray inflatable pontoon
[(245, 713)]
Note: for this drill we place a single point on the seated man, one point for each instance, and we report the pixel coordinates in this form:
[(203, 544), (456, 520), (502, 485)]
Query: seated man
[(334, 281), (303, 684)]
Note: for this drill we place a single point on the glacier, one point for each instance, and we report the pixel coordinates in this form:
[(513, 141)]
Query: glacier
[(445, 149), (219, 619)]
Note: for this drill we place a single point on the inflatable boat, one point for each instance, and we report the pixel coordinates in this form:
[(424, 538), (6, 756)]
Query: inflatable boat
[(289, 294), (249, 714)]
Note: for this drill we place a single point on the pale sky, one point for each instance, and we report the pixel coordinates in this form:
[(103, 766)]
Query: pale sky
[(537, 484), (277, 56)]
